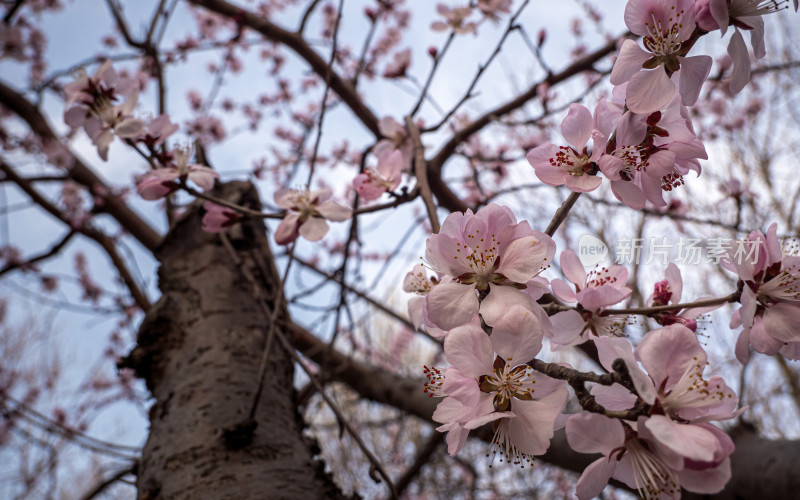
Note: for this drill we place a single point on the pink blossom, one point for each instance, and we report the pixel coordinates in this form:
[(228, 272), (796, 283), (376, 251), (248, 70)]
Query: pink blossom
[(491, 9), (770, 297), (673, 385), (217, 217), (160, 182), (489, 381), (742, 15), (488, 254), (454, 19), (12, 43), (401, 63), (90, 103), (395, 138), (157, 130), (418, 282), (673, 443), (633, 455), (652, 153), (573, 164), (665, 25), (206, 128), (668, 291), (385, 177), (600, 288), (307, 212)]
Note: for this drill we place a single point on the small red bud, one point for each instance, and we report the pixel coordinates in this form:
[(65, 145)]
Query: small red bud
[(432, 51), (542, 37)]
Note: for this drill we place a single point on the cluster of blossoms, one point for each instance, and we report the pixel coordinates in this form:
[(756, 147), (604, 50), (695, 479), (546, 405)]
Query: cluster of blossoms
[(654, 432), (91, 102), (770, 310), (671, 444), (644, 141)]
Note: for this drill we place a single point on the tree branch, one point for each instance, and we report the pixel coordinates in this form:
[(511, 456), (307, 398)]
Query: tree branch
[(90, 232)]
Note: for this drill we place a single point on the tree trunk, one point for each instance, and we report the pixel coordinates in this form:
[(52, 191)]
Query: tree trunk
[(199, 351)]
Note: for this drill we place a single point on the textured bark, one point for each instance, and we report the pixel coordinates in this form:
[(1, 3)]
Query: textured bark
[(199, 350)]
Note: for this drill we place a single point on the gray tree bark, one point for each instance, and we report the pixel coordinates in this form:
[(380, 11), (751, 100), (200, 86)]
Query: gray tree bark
[(199, 351)]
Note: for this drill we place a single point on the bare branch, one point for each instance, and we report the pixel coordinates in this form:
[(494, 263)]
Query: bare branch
[(90, 232)]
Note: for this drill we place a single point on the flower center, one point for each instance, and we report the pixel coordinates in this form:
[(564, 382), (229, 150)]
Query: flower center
[(434, 382), (481, 257), (664, 39), (599, 276), (570, 160), (507, 381)]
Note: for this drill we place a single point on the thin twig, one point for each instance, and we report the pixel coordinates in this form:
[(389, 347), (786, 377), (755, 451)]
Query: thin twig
[(363, 57), (734, 297), (438, 57), (364, 297), (103, 485), (324, 104), (402, 198), (154, 22), (73, 435), (12, 10), (307, 16), (29, 262), (249, 212), (468, 94), (85, 229), (424, 455), (561, 213)]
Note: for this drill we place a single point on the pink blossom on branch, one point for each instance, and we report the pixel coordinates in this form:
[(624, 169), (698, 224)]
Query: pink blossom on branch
[(673, 383), (594, 291), (488, 254), (666, 26), (418, 282), (217, 218), (668, 291), (383, 178), (770, 310), (489, 381), (633, 455), (742, 15), (307, 212), (573, 164), (398, 67), (491, 9), (455, 19), (652, 153), (395, 137), (90, 104), (160, 182), (673, 445)]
